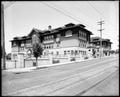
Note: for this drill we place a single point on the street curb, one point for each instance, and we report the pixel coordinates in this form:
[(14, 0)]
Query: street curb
[(24, 70)]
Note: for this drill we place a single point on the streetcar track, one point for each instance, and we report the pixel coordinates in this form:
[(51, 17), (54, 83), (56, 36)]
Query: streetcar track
[(96, 83), (72, 76), (75, 70), (66, 65), (64, 78), (88, 77)]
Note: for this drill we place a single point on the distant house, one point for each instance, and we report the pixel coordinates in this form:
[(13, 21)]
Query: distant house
[(97, 45), (70, 39)]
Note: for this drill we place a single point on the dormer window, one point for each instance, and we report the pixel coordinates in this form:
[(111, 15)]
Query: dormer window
[(22, 43), (14, 44), (28, 41), (68, 33)]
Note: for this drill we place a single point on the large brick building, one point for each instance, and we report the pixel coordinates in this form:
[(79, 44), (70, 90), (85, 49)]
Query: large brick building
[(71, 39)]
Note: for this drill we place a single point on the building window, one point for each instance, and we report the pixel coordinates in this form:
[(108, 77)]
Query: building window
[(51, 46), (22, 48), (44, 46), (83, 52), (58, 35), (79, 51), (14, 44), (68, 33), (44, 38), (22, 43), (44, 53), (64, 52), (28, 41), (68, 51), (52, 53), (85, 45), (14, 56), (48, 46), (98, 50), (57, 45), (57, 53), (52, 37), (72, 52), (80, 34), (85, 35), (76, 52), (48, 38)]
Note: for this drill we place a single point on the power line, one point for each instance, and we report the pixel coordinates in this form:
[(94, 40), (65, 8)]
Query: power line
[(61, 12), (72, 15), (81, 12), (97, 11), (64, 13)]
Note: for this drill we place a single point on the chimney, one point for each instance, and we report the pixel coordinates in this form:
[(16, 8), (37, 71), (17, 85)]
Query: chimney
[(49, 27)]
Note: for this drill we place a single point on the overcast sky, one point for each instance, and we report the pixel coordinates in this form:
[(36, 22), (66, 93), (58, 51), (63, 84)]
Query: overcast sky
[(22, 17)]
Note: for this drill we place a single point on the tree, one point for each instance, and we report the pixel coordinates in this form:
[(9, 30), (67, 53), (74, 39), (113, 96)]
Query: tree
[(37, 48), (37, 51)]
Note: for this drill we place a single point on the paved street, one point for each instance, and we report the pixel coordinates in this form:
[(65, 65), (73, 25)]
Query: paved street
[(108, 87), (69, 79)]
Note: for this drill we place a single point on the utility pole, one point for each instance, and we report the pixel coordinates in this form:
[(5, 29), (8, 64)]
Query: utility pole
[(3, 37), (3, 34), (100, 23)]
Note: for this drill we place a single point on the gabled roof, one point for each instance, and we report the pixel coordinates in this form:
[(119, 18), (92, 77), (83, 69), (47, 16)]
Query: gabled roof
[(34, 31), (98, 39), (69, 25), (65, 27), (46, 32)]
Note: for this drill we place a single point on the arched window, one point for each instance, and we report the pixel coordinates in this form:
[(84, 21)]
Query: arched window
[(29, 52)]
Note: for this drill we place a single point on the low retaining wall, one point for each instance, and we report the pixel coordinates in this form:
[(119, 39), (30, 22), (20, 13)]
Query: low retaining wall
[(41, 61), (44, 62), (28, 63), (63, 60), (12, 64)]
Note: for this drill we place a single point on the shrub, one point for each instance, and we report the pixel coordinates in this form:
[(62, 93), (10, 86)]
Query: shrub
[(72, 59), (55, 61), (86, 57)]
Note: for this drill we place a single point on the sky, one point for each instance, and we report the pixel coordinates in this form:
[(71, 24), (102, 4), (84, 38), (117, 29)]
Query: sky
[(21, 17)]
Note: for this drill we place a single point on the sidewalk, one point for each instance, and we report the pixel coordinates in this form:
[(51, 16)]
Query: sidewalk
[(28, 69), (20, 70)]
